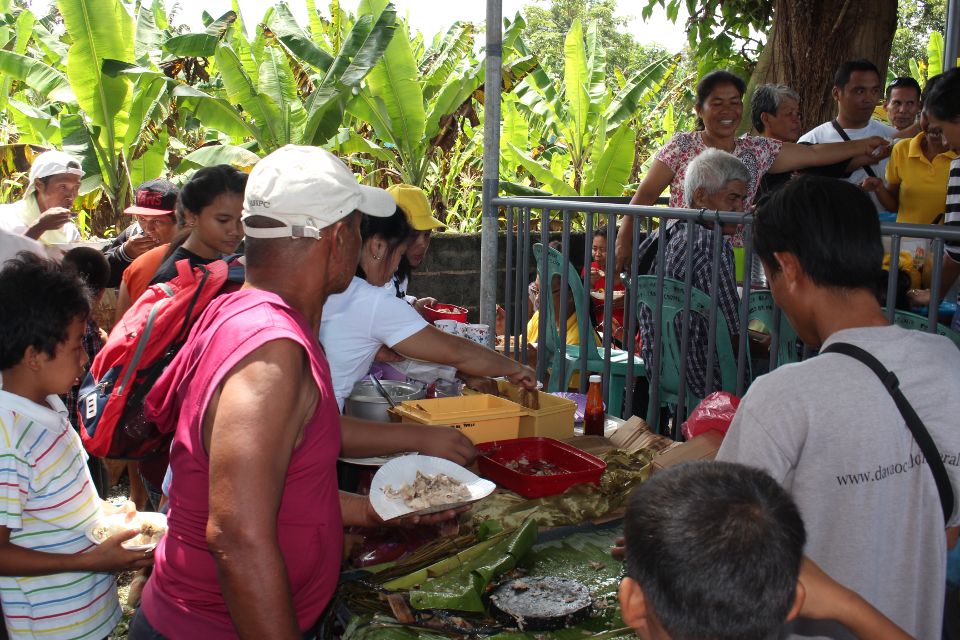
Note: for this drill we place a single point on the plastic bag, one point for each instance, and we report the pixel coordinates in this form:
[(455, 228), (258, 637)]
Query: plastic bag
[(714, 412)]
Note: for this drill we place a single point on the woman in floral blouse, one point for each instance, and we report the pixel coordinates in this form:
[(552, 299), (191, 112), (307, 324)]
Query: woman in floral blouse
[(719, 109)]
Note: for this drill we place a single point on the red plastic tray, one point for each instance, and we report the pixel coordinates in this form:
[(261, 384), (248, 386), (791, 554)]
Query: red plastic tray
[(570, 465), (453, 312)]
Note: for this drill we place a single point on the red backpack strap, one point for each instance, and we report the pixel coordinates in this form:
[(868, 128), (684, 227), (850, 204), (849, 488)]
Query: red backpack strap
[(184, 270)]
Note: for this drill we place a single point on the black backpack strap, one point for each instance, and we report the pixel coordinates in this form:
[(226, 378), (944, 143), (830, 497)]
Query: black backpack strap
[(914, 423), (843, 134)]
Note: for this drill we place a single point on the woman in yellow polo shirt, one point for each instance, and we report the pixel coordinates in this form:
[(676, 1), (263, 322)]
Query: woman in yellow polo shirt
[(917, 176)]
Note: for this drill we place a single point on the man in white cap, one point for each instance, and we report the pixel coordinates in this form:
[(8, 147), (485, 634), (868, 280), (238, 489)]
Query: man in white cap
[(256, 521), (44, 211)]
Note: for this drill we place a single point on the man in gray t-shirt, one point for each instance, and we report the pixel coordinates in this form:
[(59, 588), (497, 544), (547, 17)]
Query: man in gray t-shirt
[(828, 430)]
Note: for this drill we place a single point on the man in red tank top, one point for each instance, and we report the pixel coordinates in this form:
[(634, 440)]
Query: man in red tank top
[(255, 521)]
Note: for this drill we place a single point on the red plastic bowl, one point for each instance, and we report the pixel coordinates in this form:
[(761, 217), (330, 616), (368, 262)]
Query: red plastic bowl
[(569, 466), (441, 311)]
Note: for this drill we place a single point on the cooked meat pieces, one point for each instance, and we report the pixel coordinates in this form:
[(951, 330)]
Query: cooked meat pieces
[(429, 491)]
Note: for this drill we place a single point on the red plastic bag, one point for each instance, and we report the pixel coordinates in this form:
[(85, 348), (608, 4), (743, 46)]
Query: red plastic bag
[(714, 412)]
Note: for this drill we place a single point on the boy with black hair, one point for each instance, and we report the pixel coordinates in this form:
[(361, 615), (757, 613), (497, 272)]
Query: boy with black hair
[(827, 428), (94, 269), (54, 583), (715, 550)]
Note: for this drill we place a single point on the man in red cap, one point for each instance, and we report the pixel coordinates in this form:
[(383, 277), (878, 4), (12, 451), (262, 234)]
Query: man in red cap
[(154, 204)]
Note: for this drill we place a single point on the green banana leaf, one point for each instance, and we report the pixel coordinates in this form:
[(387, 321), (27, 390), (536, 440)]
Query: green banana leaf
[(606, 175), (363, 48), (277, 82), (515, 189), (597, 69), (192, 45), (241, 91), (348, 142), (216, 113), (514, 132), (149, 36), (151, 162), (150, 92), (80, 142), (219, 27), (627, 101), (395, 81), (583, 556), (294, 38), (458, 90), (160, 15), (313, 21), (935, 54), (458, 583), (555, 184), (33, 123), (44, 79), (456, 48), (237, 39), (237, 157), (576, 80), (99, 29)]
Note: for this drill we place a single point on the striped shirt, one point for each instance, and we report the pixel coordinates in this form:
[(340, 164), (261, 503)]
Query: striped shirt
[(47, 500), (952, 216)]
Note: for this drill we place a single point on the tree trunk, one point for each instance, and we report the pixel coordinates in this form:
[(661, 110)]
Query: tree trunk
[(810, 38)]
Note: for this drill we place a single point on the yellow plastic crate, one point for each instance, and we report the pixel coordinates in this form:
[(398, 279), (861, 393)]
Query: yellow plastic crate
[(481, 417), (554, 418)]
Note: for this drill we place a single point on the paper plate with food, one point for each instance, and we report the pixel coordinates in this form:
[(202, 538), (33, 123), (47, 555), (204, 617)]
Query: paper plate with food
[(422, 485), (151, 526)]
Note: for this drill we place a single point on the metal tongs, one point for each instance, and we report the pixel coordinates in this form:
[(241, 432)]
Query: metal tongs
[(382, 391)]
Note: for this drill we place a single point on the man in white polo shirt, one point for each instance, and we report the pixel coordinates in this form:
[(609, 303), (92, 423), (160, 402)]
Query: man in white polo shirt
[(857, 90)]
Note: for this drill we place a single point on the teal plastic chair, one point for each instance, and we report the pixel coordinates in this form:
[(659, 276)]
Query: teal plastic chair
[(570, 353), (909, 320), (761, 309), (673, 295)]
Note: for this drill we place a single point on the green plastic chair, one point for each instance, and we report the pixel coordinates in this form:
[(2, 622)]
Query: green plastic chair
[(570, 352), (673, 295), (909, 320), (761, 308)]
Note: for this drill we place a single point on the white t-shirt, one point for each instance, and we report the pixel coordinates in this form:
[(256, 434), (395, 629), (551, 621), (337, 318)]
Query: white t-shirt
[(829, 432), (355, 324), (826, 133)]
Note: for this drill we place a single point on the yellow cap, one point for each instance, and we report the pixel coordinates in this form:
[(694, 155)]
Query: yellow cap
[(413, 202)]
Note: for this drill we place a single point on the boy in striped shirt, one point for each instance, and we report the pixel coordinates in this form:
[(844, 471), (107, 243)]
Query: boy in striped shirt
[(54, 583)]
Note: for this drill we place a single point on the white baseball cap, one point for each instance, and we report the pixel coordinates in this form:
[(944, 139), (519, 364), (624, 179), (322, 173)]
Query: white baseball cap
[(307, 189)]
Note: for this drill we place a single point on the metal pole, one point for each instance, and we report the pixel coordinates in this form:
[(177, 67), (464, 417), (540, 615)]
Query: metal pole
[(951, 42), (491, 166)]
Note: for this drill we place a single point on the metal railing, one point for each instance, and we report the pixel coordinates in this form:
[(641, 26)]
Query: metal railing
[(528, 221)]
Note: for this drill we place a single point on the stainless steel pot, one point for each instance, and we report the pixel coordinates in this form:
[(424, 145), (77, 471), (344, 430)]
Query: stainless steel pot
[(366, 403)]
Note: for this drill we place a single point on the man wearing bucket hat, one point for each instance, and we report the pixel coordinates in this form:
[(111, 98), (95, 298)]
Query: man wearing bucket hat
[(44, 211), (154, 225), (413, 202), (255, 525)]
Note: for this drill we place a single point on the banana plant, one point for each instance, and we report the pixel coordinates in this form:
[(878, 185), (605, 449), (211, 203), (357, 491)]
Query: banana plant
[(418, 98), (283, 87), (577, 137)]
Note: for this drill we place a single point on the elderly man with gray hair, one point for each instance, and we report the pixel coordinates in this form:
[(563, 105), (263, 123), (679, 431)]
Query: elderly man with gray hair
[(715, 180)]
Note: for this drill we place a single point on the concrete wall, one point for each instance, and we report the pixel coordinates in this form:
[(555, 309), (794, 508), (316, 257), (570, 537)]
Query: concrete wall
[(451, 271)]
